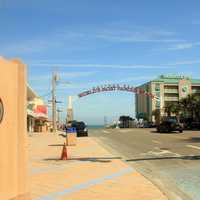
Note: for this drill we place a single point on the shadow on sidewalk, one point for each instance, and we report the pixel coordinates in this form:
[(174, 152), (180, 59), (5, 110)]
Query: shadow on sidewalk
[(192, 140), (165, 133), (56, 145), (197, 157), (63, 135), (88, 159)]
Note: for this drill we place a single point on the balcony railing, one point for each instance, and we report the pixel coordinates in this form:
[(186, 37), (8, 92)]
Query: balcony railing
[(173, 91), (171, 98), (195, 91)]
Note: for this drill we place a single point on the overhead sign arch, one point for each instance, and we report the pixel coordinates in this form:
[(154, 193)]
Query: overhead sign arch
[(116, 87)]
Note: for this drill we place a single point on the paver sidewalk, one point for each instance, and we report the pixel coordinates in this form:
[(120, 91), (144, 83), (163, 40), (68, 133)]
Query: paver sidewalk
[(91, 173)]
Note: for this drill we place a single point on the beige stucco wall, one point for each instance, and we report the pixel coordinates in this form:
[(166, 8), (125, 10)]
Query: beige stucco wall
[(162, 100), (153, 91), (13, 141)]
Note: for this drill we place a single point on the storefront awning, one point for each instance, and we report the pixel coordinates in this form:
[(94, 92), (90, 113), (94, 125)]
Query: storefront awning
[(36, 115)]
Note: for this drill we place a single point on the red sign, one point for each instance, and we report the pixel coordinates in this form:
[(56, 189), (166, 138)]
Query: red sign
[(41, 109)]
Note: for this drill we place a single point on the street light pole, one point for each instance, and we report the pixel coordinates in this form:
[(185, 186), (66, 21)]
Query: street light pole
[(55, 80)]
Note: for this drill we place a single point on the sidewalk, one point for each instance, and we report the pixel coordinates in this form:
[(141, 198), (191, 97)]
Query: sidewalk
[(91, 173)]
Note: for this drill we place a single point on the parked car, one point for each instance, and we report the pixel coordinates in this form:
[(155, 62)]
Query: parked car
[(170, 125), (81, 128), (125, 122), (147, 124), (195, 125)]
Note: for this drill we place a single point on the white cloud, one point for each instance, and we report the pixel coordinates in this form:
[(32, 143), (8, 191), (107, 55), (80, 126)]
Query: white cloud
[(89, 85), (136, 36), (184, 62), (67, 75), (81, 40), (111, 66), (114, 66), (196, 22), (182, 46), (126, 32), (77, 74), (50, 41), (133, 80)]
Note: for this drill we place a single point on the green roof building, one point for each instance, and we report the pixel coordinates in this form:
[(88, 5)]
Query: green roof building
[(167, 89)]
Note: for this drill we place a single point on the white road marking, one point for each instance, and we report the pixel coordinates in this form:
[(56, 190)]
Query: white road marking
[(106, 131), (156, 141), (125, 131), (192, 146), (159, 152)]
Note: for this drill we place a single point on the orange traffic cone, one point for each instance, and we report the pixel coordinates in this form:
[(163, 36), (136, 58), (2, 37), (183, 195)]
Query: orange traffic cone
[(64, 153)]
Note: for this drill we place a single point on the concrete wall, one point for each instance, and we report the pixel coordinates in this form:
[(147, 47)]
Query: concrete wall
[(13, 141)]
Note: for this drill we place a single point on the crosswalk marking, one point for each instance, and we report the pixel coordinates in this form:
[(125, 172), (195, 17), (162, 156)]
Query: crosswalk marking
[(192, 146)]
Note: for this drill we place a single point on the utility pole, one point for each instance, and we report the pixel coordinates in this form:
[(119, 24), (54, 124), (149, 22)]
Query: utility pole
[(58, 112), (54, 80)]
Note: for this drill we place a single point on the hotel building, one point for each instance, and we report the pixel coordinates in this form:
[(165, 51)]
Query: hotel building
[(167, 89)]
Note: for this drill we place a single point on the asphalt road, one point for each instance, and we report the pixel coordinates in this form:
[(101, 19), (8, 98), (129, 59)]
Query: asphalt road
[(170, 161)]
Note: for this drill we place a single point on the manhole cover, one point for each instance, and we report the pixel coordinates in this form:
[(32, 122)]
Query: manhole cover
[(1, 110)]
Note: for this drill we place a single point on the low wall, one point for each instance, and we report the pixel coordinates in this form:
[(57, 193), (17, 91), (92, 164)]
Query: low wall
[(13, 141)]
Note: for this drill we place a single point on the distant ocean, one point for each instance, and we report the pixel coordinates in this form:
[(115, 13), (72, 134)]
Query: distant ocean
[(95, 126)]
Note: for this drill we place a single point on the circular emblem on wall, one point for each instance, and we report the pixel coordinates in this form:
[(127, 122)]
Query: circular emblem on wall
[(1, 110), (185, 89)]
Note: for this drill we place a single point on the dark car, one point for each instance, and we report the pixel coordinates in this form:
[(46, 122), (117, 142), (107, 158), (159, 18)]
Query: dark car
[(170, 125), (81, 128), (125, 121), (195, 125), (149, 125)]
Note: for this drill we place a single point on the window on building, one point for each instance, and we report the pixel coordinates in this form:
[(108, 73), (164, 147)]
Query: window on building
[(157, 87)]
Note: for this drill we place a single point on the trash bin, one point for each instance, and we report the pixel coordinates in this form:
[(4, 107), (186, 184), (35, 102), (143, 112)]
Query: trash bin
[(71, 135)]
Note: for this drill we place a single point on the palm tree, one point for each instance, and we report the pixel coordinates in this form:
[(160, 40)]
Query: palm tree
[(195, 107), (169, 108), (190, 107), (184, 107), (173, 108), (157, 115), (176, 109), (198, 109)]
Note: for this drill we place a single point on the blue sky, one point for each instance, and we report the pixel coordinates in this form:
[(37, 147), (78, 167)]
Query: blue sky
[(92, 42)]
